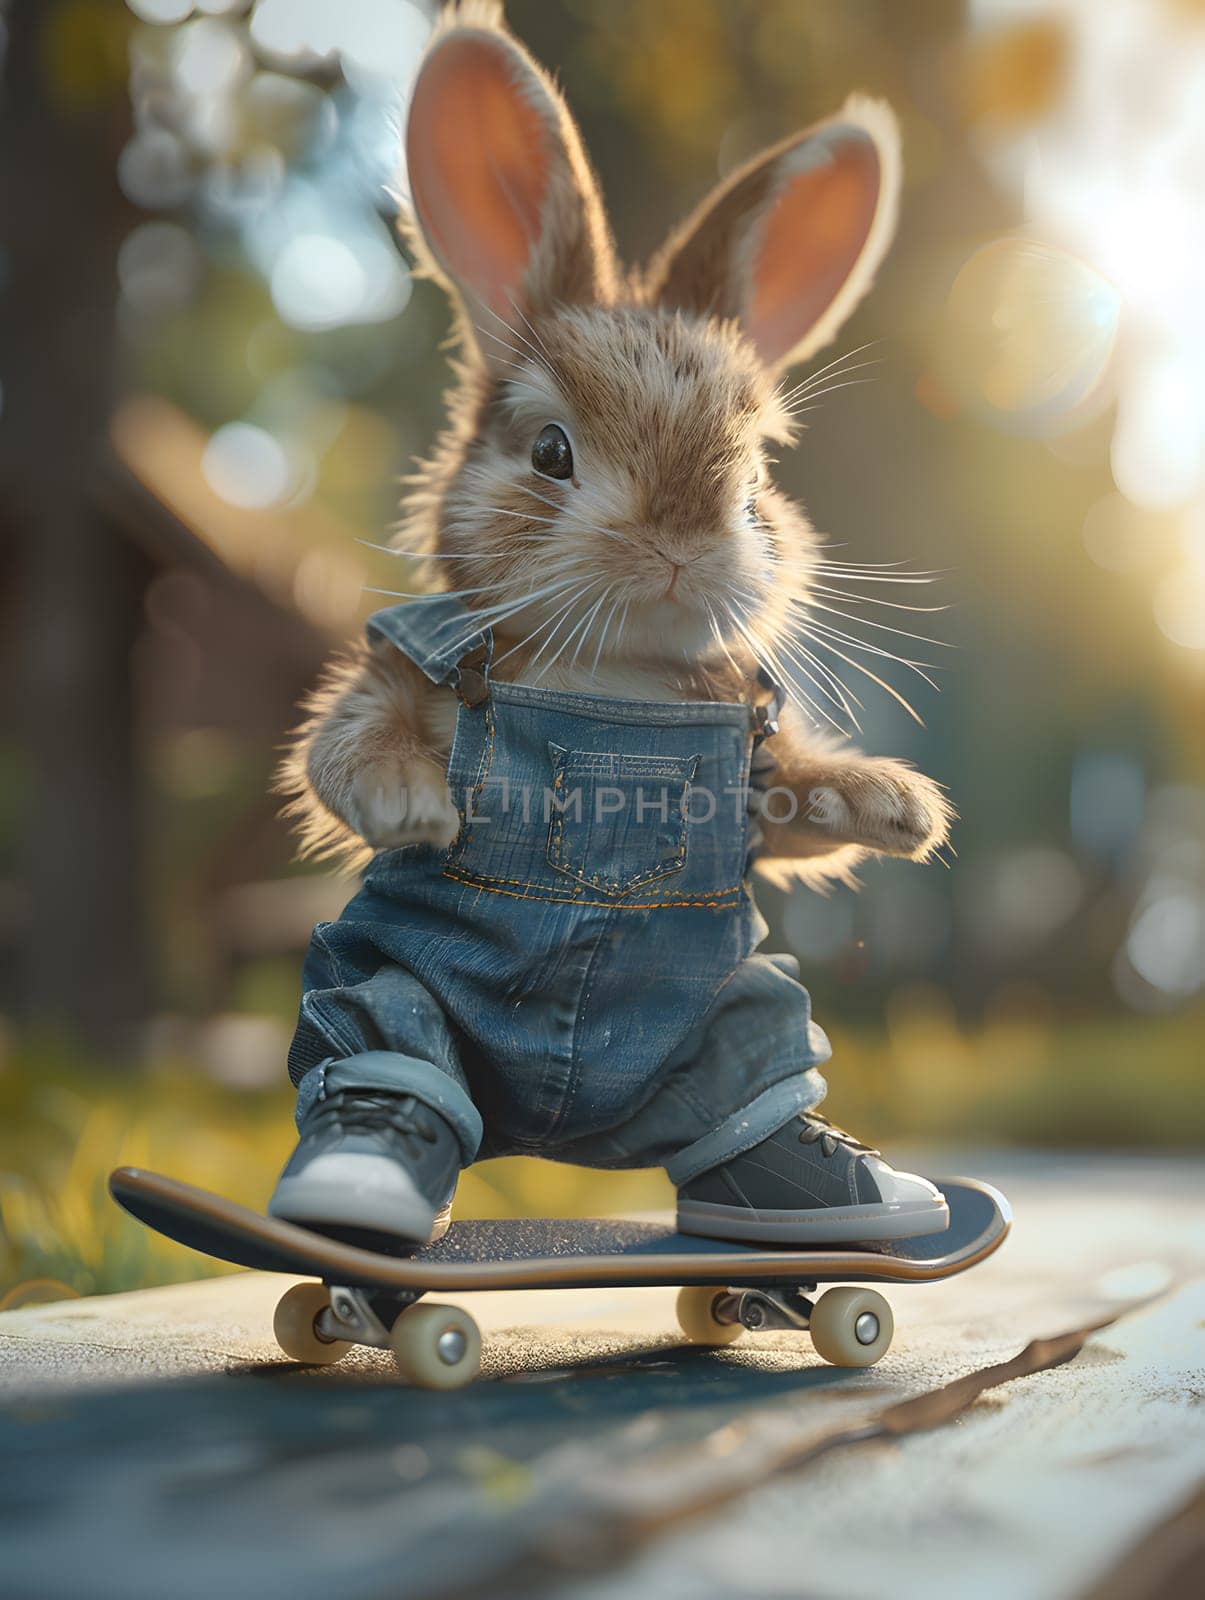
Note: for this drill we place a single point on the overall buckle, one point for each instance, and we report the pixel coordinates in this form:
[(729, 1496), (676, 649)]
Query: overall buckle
[(472, 685)]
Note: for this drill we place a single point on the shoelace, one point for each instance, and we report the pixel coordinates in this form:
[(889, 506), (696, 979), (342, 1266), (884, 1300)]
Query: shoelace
[(818, 1128), (376, 1114)]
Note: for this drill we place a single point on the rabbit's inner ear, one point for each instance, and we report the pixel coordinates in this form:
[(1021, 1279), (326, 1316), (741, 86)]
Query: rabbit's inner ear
[(791, 243), (810, 244), (478, 160)]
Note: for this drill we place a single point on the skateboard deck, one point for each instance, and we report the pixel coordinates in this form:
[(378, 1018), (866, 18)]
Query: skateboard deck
[(369, 1297)]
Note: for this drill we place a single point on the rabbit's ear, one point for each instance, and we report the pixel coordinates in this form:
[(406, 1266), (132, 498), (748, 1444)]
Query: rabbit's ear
[(790, 243), (503, 196)]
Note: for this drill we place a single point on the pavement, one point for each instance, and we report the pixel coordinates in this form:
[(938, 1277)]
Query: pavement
[(156, 1445)]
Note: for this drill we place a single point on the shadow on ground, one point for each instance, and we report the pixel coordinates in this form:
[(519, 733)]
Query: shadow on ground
[(280, 1481)]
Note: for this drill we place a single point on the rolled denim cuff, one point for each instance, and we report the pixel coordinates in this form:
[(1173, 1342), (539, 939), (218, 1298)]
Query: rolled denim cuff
[(387, 1069), (773, 1108)]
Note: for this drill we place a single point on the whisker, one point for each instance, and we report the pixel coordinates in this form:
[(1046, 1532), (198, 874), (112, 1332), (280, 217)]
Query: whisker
[(522, 360), (564, 615), (867, 622), (801, 656), (843, 689), (602, 636), (573, 632), (598, 604), (875, 650), (774, 668), (510, 328), (814, 377), (526, 516), (531, 327), (834, 369), (818, 394), (460, 555), (489, 616), (721, 641), (539, 628), (789, 645), (825, 644), (862, 566), (868, 599), (909, 578), (593, 527), (621, 624), (429, 594), (809, 391)]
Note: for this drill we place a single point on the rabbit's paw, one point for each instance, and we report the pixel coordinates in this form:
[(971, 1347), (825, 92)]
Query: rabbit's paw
[(884, 806), (393, 804)]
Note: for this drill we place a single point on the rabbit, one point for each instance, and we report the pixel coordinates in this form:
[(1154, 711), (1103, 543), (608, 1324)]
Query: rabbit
[(621, 584), (601, 494)]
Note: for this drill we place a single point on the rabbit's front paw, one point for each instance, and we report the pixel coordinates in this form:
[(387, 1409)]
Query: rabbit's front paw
[(884, 806), (393, 804)]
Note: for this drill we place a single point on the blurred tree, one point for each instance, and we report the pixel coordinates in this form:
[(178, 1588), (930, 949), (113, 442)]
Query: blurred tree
[(63, 216)]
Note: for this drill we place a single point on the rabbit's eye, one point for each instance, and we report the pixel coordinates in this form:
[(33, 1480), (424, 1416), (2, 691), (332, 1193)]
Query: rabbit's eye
[(551, 454)]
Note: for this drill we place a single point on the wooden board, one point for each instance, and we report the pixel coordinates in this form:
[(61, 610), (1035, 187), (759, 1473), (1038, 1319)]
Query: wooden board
[(558, 1254)]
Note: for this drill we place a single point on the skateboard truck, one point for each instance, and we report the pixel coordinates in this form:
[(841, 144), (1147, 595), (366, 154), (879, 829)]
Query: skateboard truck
[(756, 1309), (359, 1316), (851, 1327)]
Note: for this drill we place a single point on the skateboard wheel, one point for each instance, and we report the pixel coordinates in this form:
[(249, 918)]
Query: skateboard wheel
[(697, 1318), (293, 1325), (851, 1327), (436, 1347)]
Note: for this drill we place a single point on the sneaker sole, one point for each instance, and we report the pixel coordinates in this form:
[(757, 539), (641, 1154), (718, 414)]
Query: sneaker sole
[(847, 1225), (316, 1205)]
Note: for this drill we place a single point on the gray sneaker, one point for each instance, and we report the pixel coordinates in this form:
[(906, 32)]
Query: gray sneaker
[(810, 1183), (372, 1168)]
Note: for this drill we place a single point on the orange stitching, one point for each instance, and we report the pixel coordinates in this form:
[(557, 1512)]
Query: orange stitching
[(608, 905), (528, 883)]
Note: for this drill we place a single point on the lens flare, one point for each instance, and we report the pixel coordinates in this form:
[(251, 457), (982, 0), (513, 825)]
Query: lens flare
[(1030, 334)]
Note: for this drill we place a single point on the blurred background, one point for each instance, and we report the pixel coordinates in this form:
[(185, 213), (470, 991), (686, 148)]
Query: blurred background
[(215, 368)]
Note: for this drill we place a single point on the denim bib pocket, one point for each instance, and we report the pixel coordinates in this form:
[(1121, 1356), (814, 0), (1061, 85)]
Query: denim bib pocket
[(616, 820)]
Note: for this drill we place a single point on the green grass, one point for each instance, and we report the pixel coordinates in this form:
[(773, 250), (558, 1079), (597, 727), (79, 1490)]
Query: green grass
[(1020, 1079)]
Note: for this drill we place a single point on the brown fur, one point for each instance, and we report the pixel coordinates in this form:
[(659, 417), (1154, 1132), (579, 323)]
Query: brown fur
[(668, 522)]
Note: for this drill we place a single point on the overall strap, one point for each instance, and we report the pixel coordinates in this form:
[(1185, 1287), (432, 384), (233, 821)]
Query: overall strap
[(767, 712), (440, 636)]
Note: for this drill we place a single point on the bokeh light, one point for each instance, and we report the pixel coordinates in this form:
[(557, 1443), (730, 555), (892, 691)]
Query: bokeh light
[(161, 10), (210, 58), (377, 41), (247, 466), (1166, 943), (1032, 893), (298, 118), (1120, 537), (154, 170), (1158, 451), (1180, 609), (1031, 334), (319, 281), (159, 267)]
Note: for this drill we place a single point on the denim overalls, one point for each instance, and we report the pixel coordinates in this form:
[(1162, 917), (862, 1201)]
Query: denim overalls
[(575, 976)]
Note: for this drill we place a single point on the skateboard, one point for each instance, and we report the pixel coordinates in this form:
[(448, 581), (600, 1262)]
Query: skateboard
[(367, 1298)]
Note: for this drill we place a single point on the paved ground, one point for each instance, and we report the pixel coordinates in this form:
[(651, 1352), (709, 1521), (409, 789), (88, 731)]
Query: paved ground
[(154, 1445)]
